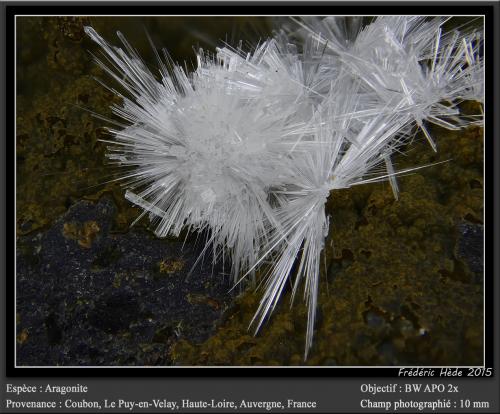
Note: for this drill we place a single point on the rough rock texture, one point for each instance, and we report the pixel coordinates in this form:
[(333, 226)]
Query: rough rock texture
[(470, 246), (403, 281), (90, 297)]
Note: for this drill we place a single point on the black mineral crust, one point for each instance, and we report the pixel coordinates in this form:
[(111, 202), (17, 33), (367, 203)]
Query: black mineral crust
[(90, 297)]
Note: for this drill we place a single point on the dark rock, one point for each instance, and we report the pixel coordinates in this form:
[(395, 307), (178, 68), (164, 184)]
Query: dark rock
[(470, 246), (86, 296)]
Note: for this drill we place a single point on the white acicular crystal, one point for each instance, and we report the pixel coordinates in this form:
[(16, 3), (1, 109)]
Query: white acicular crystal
[(250, 145)]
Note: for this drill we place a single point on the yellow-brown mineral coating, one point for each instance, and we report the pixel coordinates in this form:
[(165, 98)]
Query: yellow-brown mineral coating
[(59, 157), (394, 291), (84, 233), (171, 266)]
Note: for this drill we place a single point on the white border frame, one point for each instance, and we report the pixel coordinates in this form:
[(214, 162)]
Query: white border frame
[(237, 366)]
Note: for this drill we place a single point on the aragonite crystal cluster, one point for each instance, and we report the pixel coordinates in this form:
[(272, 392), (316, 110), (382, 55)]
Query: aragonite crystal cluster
[(250, 144)]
